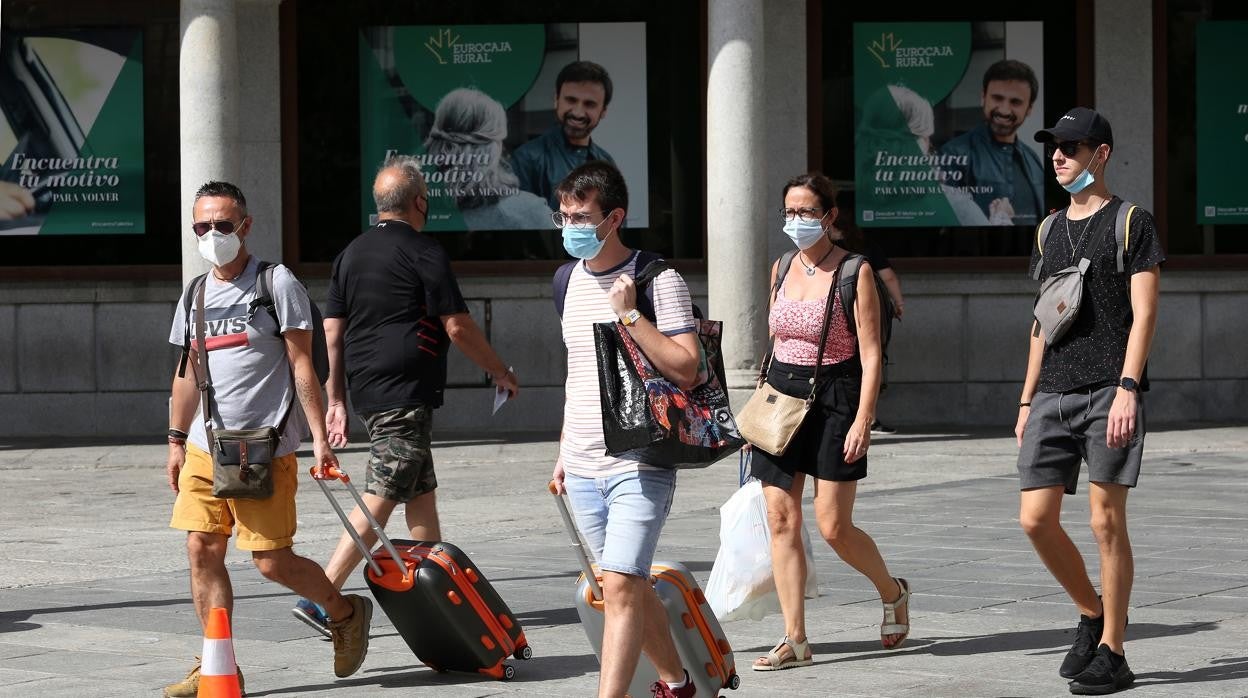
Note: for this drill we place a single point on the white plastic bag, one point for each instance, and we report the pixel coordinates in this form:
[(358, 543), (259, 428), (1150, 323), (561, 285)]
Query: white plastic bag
[(741, 583)]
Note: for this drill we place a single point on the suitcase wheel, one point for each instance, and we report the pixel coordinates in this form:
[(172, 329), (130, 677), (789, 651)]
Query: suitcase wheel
[(525, 652), (509, 672), (735, 682)]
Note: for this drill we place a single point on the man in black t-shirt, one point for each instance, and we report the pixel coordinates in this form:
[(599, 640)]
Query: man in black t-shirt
[(394, 310), (1082, 398)]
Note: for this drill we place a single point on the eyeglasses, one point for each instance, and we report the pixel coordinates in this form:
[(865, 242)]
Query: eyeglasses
[(1068, 148), (561, 219), (201, 229), (807, 215)]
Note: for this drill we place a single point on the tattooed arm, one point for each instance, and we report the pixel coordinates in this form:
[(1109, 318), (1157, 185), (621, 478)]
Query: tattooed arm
[(299, 351)]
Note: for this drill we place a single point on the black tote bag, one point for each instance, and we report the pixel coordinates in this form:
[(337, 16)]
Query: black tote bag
[(645, 417)]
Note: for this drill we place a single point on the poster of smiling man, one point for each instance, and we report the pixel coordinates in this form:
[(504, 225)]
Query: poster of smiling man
[(499, 114), (944, 113)]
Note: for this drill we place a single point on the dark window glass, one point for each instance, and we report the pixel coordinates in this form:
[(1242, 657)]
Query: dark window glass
[(329, 168), (1184, 235)]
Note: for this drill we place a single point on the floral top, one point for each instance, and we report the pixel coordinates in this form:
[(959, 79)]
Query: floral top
[(797, 326)]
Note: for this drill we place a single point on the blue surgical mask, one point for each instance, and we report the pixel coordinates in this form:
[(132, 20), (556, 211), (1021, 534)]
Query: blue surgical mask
[(581, 241), (1083, 181), (803, 233)]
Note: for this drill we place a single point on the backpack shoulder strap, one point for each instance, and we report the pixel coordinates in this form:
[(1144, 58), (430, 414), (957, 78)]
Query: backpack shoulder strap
[(559, 285), (646, 269), (188, 301), (847, 285), (782, 270), (264, 293), (1122, 233), (1042, 234)]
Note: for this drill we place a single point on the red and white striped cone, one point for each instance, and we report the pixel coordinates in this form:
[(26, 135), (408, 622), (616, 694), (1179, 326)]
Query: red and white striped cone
[(218, 673)]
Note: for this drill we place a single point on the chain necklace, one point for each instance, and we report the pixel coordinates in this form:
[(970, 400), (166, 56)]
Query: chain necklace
[(810, 270), (1088, 226)]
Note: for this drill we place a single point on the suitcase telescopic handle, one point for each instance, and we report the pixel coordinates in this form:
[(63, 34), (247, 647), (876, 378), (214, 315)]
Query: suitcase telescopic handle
[(581, 555), (323, 473)]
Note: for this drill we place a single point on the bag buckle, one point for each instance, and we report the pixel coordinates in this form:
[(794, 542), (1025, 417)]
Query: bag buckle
[(242, 455)]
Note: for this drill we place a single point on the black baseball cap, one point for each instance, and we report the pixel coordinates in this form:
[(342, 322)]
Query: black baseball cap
[(1078, 124)]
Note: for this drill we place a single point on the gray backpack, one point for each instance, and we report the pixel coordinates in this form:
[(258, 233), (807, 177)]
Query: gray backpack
[(1057, 303)]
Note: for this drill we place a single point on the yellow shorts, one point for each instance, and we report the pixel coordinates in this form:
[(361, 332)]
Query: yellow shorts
[(263, 524)]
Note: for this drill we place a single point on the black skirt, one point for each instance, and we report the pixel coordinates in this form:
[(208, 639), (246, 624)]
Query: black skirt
[(818, 447)]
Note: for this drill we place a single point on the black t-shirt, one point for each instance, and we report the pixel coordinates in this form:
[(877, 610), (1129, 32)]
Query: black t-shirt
[(1092, 351), (875, 256), (392, 285)]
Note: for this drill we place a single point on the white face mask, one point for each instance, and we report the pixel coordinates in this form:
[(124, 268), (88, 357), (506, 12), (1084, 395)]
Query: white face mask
[(219, 248)]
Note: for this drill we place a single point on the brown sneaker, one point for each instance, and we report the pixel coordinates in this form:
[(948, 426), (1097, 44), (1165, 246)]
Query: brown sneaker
[(350, 636), (189, 687)]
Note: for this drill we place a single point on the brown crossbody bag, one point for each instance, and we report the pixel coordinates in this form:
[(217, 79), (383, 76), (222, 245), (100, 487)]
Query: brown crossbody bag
[(241, 458), (770, 419)]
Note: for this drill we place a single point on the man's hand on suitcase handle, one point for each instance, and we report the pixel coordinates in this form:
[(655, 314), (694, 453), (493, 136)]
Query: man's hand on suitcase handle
[(328, 472), (556, 478)]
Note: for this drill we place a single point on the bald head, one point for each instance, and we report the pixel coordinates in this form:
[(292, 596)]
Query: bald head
[(398, 189)]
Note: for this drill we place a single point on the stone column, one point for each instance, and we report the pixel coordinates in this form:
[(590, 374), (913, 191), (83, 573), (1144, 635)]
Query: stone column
[(736, 193), (1124, 93), (208, 89), (786, 138)]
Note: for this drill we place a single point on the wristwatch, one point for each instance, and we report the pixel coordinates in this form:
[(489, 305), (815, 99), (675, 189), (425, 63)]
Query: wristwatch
[(1128, 383), (631, 317)]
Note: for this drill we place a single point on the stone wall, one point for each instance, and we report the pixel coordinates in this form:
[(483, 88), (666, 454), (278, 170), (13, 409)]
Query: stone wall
[(91, 358)]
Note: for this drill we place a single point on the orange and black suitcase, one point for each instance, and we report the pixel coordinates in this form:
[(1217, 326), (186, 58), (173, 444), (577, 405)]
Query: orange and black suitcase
[(439, 602)]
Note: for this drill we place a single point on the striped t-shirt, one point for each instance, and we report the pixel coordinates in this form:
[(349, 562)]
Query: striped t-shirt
[(582, 448)]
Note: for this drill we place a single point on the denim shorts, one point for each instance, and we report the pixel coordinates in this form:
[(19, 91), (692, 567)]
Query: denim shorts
[(621, 516)]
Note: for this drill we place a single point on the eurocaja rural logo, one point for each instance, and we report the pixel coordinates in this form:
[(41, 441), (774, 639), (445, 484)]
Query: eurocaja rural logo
[(892, 52), (450, 48)]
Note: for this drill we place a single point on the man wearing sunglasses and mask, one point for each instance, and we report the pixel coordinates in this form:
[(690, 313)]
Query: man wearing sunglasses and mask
[(262, 375), (1082, 399)]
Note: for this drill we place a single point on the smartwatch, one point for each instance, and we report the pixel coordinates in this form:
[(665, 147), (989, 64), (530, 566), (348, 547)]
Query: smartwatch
[(1128, 383), (631, 317)]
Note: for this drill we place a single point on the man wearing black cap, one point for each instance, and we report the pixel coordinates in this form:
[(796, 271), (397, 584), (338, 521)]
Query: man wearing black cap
[(1083, 395)]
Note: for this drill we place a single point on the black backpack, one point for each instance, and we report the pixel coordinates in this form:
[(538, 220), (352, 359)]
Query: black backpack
[(847, 285), (263, 299)]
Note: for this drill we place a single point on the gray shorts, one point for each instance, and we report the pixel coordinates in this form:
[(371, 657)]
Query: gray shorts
[(1066, 428)]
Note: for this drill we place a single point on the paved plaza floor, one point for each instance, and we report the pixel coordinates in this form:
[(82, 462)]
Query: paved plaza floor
[(94, 597)]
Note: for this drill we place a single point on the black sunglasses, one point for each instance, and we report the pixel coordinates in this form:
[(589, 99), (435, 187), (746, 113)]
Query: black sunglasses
[(1068, 148), (201, 229)]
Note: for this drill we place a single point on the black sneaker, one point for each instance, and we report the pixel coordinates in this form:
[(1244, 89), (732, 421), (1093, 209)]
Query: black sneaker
[(1108, 673), (1087, 636), (878, 427)]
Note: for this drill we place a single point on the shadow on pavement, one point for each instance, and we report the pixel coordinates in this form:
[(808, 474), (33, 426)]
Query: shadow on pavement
[(1227, 669), (1042, 641), (538, 668), (15, 621)]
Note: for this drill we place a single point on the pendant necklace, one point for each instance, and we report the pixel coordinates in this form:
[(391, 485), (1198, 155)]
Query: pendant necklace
[(1086, 228), (810, 270)]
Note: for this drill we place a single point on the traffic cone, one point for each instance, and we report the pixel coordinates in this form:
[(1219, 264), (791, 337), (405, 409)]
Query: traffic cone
[(218, 674)]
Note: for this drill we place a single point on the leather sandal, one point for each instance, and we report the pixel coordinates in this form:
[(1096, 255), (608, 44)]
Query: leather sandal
[(776, 663), (890, 626)]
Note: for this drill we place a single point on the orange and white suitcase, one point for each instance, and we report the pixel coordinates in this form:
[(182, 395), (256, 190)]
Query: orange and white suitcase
[(700, 641)]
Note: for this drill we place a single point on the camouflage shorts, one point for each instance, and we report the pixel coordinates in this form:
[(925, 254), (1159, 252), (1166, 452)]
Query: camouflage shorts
[(400, 461)]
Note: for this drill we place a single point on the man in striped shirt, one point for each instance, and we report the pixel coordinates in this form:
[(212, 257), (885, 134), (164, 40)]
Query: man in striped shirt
[(620, 505)]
